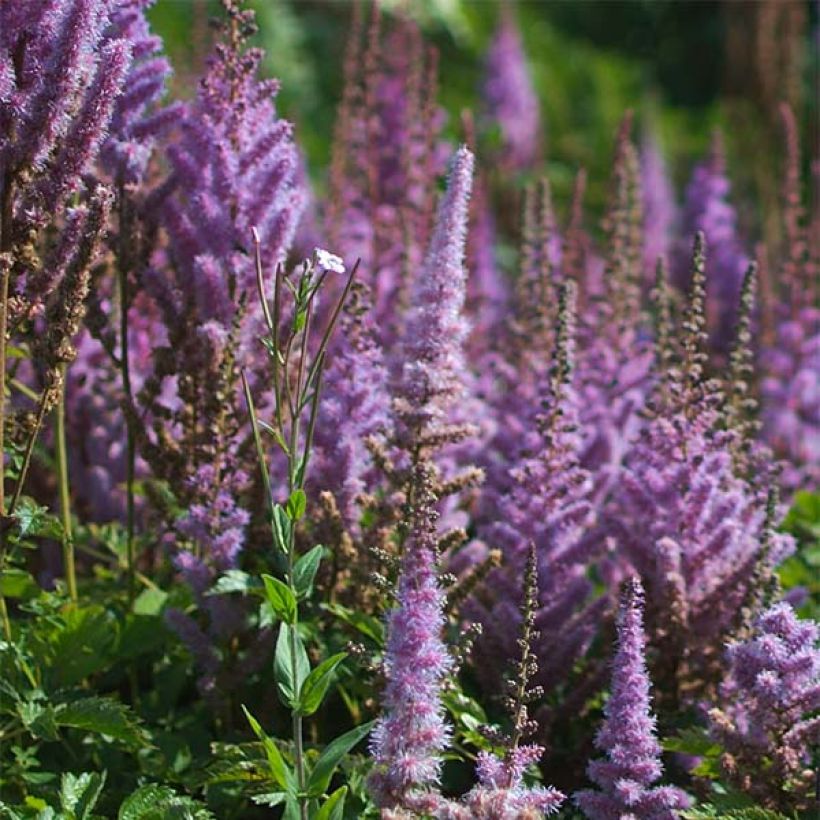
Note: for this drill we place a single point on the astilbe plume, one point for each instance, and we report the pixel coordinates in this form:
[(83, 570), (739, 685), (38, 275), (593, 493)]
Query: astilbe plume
[(231, 191), (411, 733), (707, 208), (790, 359), (660, 211), (95, 388), (386, 158), (614, 355), (510, 100), (355, 407), (500, 793), (688, 524), (548, 503), (60, 78), (138, 120), (627, 736), (767, 719)]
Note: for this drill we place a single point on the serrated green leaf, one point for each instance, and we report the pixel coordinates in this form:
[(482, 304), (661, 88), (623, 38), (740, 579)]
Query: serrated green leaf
[(296, 505), (33, 519), (83, 646), (316, 683), (80, 793), (289, 677), (281, 599), (692, 741), (279, 770), (38, 717), (155, 802), (304, 571), (331, 756), (103, 716), (333, 807)]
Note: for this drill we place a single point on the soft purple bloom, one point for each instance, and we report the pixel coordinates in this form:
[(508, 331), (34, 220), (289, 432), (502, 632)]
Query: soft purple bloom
[(432, 376), (138, 119), (707, 208), (355, 404), (660, 211), (510, 100), (546, 500), (768, 710), (627, 736), (387, 156), (411, 735)]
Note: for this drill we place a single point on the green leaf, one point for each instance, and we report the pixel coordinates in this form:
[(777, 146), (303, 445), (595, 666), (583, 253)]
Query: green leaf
[(297, 504), (279, 770), (103, 716), (331, 756), (235, 580), (83, 646), (271, 799), (304, 571), (692, 741), (155, 802), (17, 583), (150, 601), (288, 677), (372, 627), (32, 519), (316, 683), (80, 793), (333, 807), (281, 598), (281, 528)]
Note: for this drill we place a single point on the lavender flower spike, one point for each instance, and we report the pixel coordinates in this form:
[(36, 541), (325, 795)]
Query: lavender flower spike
[(628, 734), (411, 733), (509, 97), (767, 721), (433, 372)]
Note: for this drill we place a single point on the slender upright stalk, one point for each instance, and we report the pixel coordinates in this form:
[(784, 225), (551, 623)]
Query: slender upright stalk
[(65, 497), (125, 367), (5, 275)]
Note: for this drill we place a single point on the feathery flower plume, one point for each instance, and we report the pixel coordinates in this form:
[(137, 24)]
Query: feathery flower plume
[(790, 361), (660, 211), (691, 527), (767, 719), (613, 352), (411, 734), (627, 736), (432, 375), (510, 101), (547, 501), (707, 208), (138, 120), (386, 159)]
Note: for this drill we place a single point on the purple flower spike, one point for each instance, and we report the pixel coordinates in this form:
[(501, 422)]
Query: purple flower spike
[(768, 711), (509, 96), (707, 208), (432, 378), (627, 736), (412, 733)]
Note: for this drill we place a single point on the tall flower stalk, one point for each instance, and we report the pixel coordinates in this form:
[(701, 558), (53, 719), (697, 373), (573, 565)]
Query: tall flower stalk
[(296, 363)]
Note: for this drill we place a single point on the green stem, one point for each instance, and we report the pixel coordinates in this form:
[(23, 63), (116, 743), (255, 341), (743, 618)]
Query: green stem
[(65, 496), (131, 453)]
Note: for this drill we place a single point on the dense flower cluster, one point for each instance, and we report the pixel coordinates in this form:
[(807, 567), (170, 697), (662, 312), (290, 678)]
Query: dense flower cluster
[(435, 421), (767, 721), (628, 736)]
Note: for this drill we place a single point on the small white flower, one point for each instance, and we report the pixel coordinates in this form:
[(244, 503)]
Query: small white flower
[(329, 261)]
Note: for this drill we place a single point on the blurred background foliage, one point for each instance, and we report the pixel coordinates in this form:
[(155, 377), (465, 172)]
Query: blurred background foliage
[(685, 66)]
